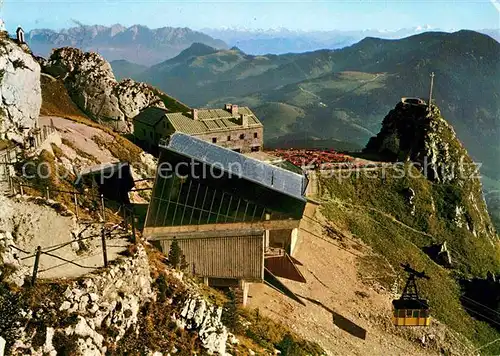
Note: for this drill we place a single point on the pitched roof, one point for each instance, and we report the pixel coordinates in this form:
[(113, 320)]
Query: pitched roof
[(272, 177), (151, 116), (211, 120), (104, 168)]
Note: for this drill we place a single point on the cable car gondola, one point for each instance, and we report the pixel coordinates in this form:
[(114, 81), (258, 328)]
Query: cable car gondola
[(410, 309)]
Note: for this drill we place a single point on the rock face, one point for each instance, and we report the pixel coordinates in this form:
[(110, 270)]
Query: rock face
[(92, 86), (94, 313), (415, 133), (20, 91), (108, 301), (204, 318), (440, 254), (419, 135)]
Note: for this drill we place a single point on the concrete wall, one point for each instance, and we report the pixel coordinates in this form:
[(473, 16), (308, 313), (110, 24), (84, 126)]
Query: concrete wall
[(285, 239), (294, 236)]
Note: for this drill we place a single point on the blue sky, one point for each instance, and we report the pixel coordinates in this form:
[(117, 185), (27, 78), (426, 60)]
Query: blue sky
[(303, 14)]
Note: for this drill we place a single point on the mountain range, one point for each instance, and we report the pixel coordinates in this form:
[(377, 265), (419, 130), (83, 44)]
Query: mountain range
[(343, 94), (137, 43), (144, 46), (282, 40)]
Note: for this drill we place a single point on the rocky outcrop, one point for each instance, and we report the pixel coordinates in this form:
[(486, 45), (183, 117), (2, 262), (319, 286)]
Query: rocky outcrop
[(20, 91), (421, 135), (439, 254), (109, 301), (92, 86), (94, 314), (198, 315), (15, 272)]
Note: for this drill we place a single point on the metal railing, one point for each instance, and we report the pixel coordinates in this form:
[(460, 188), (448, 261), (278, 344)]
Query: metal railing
[(48, 251), (125, 212)]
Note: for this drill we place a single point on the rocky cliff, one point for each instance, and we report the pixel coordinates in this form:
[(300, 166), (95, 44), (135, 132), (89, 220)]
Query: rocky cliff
[(92, 85), (20, 91), (97, 314), (415, 133), (420, 135)]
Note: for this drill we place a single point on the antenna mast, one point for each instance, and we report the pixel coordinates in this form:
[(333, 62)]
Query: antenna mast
[(432, 86)]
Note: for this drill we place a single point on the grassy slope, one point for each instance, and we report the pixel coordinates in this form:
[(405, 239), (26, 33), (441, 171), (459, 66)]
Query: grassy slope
[(56, 101), (370, 206), (124, 69)]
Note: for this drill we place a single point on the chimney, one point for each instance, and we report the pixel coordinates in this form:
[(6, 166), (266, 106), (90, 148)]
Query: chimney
[(234, 110), (244, 120), (194, 113), (227, 107)]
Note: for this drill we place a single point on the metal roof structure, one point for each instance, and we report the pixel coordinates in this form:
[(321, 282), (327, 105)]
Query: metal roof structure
[(151, 116), (272, 177), (103, 168), (211, 120)]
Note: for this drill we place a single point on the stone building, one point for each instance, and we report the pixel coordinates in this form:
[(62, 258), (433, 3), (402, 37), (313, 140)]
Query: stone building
[(235, 218), (233, 127)]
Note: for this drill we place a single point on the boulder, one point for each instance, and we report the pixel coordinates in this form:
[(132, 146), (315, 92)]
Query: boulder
[(440, 254), (2, 346)]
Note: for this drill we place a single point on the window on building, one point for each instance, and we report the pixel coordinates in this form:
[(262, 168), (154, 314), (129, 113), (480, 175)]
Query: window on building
[(151, 134), (229, 138), (255, 135), (242, 136), (237, 150), (255, 148), (214, 139)]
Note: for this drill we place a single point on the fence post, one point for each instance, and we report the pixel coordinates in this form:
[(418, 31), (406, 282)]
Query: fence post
[(11, 184), (132, 215), (35, 266), (48, 192), (102, 203), (76, 206), (125, 216), (104, 252)]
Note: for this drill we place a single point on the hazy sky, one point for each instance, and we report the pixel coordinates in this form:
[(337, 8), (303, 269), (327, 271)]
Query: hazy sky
[(263, 14)]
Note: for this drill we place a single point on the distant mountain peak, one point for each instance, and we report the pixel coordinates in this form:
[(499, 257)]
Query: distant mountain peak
[(197, 49)]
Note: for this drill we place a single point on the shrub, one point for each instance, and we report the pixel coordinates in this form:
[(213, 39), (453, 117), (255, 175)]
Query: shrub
[(10, 307), (175, 256), (230, 316)]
